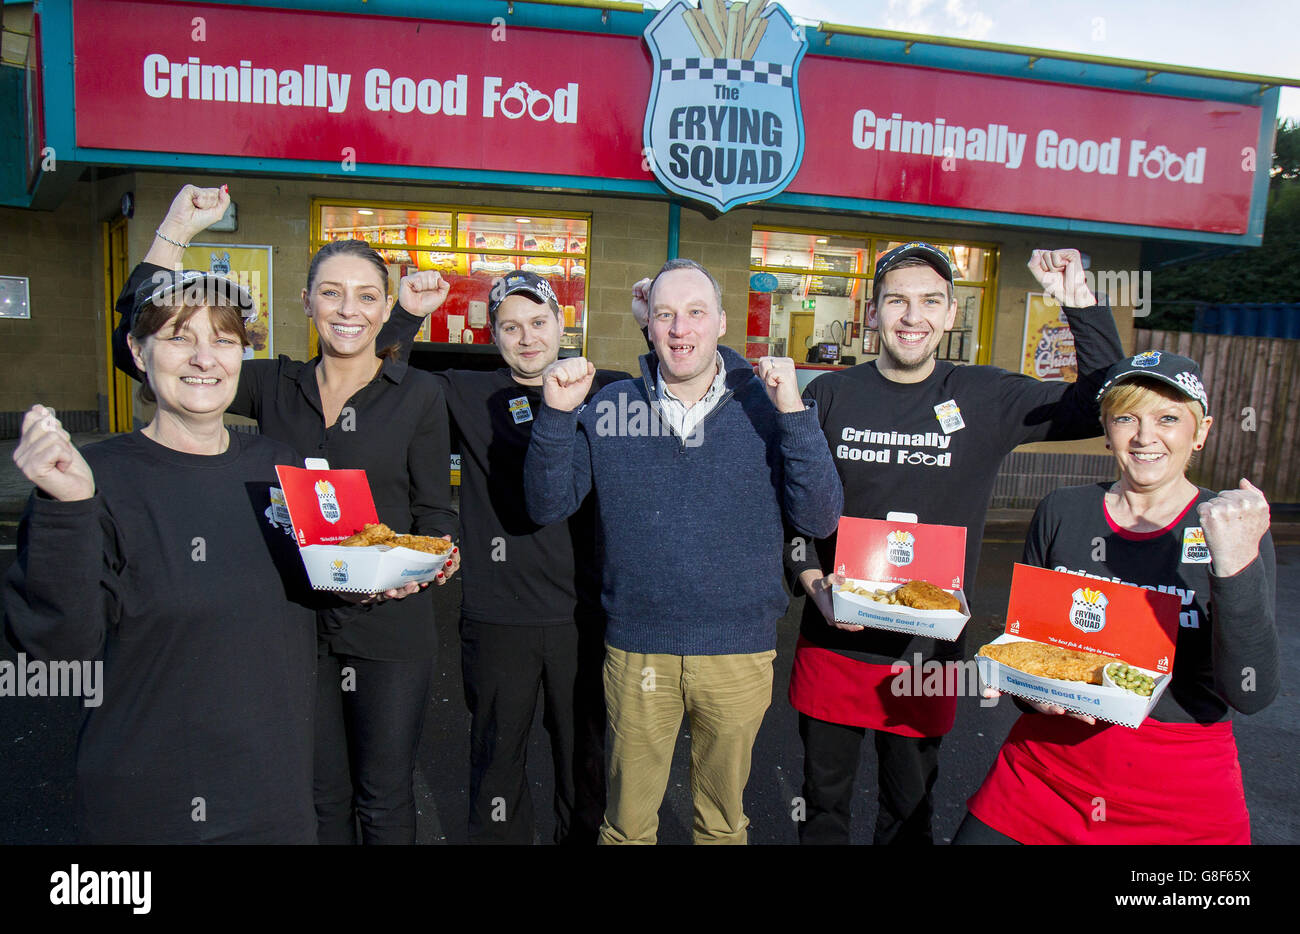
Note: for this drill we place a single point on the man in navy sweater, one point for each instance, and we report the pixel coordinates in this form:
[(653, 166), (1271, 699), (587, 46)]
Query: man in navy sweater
[(694, 467)]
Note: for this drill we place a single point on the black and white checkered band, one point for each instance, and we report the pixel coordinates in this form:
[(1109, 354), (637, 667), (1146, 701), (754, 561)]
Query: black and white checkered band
[(727, 69)]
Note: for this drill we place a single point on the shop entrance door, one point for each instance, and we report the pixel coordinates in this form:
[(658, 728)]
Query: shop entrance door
[(801, 332), (120, 386)]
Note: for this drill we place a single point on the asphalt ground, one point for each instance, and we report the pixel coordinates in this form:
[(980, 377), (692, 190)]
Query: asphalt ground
[(38, 739)]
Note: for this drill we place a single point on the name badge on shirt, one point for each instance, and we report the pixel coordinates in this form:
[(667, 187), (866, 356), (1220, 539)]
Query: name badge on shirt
[(278, 512), (520, 410), (949, 416), (1195, 551)]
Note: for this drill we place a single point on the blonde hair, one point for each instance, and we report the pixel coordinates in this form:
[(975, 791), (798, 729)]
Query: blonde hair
[(1143, 395)]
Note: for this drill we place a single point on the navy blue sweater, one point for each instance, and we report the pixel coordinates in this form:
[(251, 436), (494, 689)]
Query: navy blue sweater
[(690, 529)]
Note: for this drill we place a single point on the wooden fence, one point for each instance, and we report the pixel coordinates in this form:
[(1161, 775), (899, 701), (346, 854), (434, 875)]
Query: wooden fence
[(1253, 384)]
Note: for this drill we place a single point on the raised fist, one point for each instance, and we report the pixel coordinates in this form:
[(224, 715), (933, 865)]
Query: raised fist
[(778, 376), (565, 383), (1234, 522), (47, 457), (423, 293), (641, 302), (1060, 273), (193, 211)]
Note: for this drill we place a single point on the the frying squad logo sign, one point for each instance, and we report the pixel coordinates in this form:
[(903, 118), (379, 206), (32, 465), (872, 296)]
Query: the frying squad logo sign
[(724, 125)]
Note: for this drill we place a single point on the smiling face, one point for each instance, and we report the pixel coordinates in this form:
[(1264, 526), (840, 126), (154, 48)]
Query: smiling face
[(912, 312), (193, 368), (685, 324), (1152, 431), (528, 335), (347, 300)]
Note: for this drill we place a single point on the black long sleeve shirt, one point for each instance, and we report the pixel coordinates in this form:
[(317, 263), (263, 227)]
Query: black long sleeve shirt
[(513, 570), (174, 577)]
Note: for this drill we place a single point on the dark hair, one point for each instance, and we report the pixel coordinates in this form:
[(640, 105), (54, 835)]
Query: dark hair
[(878, 284), (153, 317), (682, 263), (361, 250)]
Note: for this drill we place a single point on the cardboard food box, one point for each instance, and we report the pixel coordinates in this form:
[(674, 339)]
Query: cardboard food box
[(326, 506), (881, 554), (1129, 624)]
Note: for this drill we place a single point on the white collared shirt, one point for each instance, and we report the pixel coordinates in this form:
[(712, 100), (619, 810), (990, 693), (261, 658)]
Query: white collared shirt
[(682, 417)]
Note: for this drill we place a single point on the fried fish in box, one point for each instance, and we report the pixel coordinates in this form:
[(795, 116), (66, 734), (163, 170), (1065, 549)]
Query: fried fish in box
[(922, 595), (424, 543), (374, 533), (1046, 661)]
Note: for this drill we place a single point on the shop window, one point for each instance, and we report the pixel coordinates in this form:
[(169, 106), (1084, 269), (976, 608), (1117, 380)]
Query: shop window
[(809, 292), (470, 248)]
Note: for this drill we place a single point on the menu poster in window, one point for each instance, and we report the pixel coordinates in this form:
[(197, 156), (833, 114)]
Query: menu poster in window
[(250, 266), (1048, 344), (831, 285)]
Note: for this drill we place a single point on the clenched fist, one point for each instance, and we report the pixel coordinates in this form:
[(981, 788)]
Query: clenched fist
[(1234, 522), (641, 302), (423, 293), (46, 456), (193, 211), (778, 377), (1060, 273), (565, 383)]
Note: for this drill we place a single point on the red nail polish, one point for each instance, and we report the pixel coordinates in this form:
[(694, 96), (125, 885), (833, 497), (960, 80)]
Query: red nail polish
[(440, 574)]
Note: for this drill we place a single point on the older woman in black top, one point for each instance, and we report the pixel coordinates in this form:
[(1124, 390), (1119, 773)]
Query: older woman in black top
[(357, 409), (151, 556)]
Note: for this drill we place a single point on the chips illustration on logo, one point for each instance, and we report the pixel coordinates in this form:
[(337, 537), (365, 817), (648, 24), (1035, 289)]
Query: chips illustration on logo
[(339, 571), (329, 503), (1088, 611), (724, 124), (1195, 551), (899, 547)]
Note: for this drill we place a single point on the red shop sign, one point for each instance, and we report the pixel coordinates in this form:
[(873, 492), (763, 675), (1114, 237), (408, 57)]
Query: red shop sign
[(332, 87)]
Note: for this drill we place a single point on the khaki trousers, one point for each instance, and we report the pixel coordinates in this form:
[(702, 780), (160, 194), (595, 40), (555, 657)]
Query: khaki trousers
[(725, 697)]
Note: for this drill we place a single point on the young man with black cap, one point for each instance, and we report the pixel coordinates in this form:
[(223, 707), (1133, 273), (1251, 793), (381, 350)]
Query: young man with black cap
[(530, 610), (968, 419)]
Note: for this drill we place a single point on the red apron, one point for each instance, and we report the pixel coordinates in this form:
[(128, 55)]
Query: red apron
[(831, 687), (1056, 778)]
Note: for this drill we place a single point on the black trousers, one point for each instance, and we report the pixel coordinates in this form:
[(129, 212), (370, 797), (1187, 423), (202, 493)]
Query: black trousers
[(974, 831), (503, 666), (369, 715), (908, 767)]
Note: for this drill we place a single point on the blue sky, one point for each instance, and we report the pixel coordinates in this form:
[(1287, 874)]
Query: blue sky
[(1255, 36)]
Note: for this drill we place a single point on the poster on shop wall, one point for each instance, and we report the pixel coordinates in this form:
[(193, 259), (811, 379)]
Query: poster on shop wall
[(1048, 345), (250, 266)]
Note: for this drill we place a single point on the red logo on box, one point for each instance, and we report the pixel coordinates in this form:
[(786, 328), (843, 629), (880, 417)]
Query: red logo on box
[(1137, 625), (326, 506), (887, 550)]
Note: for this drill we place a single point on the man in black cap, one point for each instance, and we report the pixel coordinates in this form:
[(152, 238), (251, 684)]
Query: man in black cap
[(530, 610), (947, 430)]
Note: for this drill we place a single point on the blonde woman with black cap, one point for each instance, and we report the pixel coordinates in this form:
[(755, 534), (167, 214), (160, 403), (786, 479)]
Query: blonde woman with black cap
[(1176, 778), (148, 557)]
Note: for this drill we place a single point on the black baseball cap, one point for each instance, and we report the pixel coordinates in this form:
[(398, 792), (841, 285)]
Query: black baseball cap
[(178, 287), (932, 255), (521, 283), (1182, 373)]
